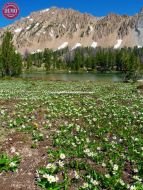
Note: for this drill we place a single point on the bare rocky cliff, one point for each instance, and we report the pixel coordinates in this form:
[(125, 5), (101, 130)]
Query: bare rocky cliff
[(58, 28)]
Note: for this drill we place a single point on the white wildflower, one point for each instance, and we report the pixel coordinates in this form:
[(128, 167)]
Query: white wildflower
[(85, 185), (115, 167), (12, 164), (78, 128), (45, 176), (61, 163), (107, 176), (98, 148), (62, 156), (121, 182), (51, 178), (94, 182), (73, 144), (137, 178), (87, 151), (103, 164), (49, 166), (76, 175), (132, 187), (136, 170), (87, 140)]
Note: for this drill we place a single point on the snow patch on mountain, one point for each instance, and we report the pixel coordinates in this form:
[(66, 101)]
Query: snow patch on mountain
[(37, 24), (91, 28), (100, 18), (39, 50), (64, 45), (118, 44), (36, 51), (76, 46), (45, 10), (94, 44), (139, 46), (17, 30), (31, 19), (27, 28)]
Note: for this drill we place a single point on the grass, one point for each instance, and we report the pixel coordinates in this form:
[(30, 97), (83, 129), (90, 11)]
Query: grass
[(7, 163), (92, 141)]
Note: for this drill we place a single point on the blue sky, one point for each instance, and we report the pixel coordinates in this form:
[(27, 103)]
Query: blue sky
[(95, 7)]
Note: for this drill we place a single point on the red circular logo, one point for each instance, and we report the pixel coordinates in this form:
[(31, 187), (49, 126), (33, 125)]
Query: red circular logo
[(10, 10)]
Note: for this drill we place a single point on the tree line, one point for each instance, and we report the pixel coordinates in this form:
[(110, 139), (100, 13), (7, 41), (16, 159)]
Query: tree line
[(125, 60)]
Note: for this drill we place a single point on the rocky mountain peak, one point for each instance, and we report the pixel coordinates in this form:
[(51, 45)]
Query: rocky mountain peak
[(58, 28)]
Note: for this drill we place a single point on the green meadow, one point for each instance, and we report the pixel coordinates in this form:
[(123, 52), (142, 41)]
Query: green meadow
[(54, 137)]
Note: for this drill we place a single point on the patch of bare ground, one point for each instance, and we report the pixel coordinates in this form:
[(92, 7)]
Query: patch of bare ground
[(127, 173), (31, 159), (8, 104)]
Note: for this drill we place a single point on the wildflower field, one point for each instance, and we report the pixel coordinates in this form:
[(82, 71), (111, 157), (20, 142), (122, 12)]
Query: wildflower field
[(61, 141)]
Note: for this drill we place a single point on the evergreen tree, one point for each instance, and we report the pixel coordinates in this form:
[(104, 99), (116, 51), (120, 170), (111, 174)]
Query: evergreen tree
[(48, 59), (28, 62), (77, 60), (11, 61), (16, 65)]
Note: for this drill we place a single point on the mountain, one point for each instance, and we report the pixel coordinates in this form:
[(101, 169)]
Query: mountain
[(58, 28)]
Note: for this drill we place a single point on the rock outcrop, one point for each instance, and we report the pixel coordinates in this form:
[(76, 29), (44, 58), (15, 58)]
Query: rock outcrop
[(139, 29)]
